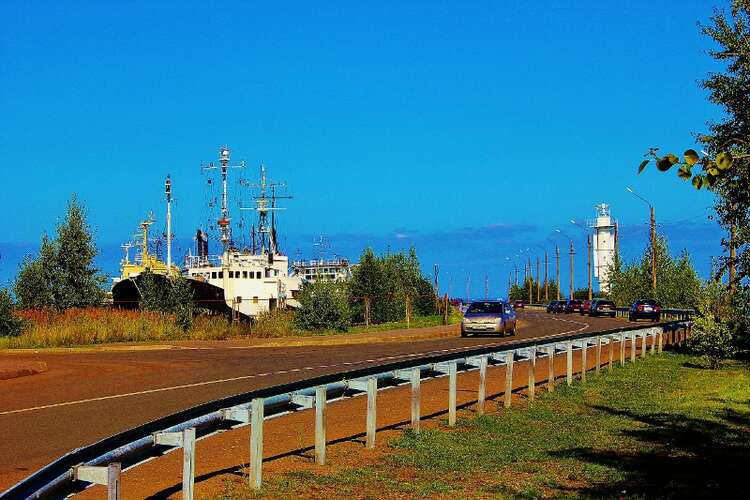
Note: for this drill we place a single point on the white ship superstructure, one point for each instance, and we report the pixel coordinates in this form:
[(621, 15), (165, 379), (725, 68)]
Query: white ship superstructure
[(253, 280), (322, 269)]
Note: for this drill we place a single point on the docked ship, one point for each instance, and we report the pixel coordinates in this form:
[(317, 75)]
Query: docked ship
[(252, 280), (125, 288)]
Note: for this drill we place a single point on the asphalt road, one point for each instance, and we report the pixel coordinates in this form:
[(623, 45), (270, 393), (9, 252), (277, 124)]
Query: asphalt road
[(86, 396)]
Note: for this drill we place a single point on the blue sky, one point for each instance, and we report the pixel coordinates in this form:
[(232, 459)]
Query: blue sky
[(392, 122)]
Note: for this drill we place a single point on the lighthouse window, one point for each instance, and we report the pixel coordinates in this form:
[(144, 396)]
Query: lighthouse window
[(244, 274), (258, 275), (255, 300), (231, 274), (213, 275), (221, 274)]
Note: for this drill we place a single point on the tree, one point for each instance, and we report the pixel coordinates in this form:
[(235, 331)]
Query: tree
[(324, 305), (677, 283), (63, 274), (79, 282), (167, 295), (387, 282), (726, 168), (34, 286), (10, 325)]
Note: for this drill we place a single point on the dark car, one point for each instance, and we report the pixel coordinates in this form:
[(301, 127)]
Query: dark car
[(552, 306), (518, 304), (489, 316), (572, 305), (645, 309), (585, 307), (602, 307)]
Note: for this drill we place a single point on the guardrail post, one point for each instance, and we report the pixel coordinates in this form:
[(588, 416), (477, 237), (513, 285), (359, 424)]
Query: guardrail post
[(653, 341), (611, 363), (584, 364), (532, 372), (415, 375), (661, 340), (508, 379), (452, 383), (598, 354), (185, 440), (482, 384), (633, 346), (109, 476), (551, 370), (320, 425), (644, 344), (188, 463), (569, 362), (622, 349), (372, 394), (256, 442)]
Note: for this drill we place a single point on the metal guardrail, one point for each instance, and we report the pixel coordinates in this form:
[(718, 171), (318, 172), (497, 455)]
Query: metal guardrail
[(103, 462), (667, 314)]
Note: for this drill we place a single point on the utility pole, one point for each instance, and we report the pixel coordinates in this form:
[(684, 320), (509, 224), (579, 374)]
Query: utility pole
[(571, 268), (653, 238), (510, 281), (588, 258), (531, 282), (538, 282), (653, 250), (516, 266), (546, 281), (732, 257), (557, 269), (486, 287), (468, 286)]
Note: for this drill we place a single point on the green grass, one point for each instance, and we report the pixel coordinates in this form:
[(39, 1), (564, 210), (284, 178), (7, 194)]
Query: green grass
[(664, 427)]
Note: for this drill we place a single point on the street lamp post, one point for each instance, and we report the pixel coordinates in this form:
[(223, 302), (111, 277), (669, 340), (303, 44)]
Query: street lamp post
[(572, 252), (653, 237)]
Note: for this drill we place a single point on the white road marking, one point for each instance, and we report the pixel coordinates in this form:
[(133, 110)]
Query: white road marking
[(281, 372)]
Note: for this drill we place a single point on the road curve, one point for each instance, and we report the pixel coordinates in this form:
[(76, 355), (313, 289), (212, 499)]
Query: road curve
[(86, 396)]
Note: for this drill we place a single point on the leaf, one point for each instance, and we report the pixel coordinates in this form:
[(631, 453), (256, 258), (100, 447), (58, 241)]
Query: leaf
[(724, 160), (711, 180), (664, 163), (691, 157), (698, 181), (685, 172), (712, 171), (642, 165)]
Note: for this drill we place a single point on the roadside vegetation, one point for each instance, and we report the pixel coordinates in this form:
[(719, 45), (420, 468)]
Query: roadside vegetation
[(664, 427), (58, 300)]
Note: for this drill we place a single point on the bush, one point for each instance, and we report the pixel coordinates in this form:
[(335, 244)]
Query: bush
[(712, 340), (324, 305), (10, 324), (276, 323)]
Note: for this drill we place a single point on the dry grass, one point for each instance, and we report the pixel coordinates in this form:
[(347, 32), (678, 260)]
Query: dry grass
[(45, 328)]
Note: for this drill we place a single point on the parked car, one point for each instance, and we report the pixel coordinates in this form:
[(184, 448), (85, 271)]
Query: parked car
[(489, 316), (518, 304), (602, 307), (645, 309), (572, 305), (551, 306), (585, 307)]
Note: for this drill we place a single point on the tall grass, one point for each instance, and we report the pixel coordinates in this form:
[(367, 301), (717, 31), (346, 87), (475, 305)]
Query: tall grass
[(47, 328)]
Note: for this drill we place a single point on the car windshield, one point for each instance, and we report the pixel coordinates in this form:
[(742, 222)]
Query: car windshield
[(649, 302), (486, 307), (605, 303)]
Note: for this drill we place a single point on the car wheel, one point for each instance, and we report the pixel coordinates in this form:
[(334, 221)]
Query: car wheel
[(464, 334)]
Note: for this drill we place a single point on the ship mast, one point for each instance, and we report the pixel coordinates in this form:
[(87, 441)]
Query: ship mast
[(168, 192), (224, 221), (265, 204)]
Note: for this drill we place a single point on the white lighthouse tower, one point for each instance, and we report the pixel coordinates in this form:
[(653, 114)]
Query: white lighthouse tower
[(604, 244)]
